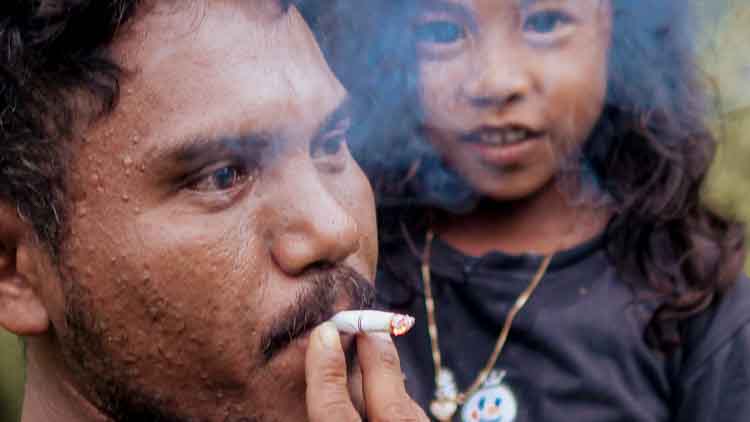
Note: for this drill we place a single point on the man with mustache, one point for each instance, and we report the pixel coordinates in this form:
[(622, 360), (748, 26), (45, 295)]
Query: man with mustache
[(178, 212)]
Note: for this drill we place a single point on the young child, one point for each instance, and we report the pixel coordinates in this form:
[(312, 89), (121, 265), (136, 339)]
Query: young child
[(539, 166)]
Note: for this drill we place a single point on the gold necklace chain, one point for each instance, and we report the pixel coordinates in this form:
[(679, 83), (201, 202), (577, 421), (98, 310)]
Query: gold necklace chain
[(501, 340)]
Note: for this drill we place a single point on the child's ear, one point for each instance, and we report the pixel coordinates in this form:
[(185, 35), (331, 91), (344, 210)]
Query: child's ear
[(22, 311)]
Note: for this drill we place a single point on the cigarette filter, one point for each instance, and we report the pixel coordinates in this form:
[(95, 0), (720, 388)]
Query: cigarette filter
[(367, 321)]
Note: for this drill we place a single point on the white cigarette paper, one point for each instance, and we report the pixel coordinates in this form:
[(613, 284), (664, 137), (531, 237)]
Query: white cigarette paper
[(367, 321)]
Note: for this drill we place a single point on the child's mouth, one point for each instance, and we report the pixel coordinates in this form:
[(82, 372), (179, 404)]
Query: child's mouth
[(505, 136), (504, 145)]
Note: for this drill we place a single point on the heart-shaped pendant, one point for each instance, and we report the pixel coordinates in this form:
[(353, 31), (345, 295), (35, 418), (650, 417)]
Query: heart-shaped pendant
[(443, 410)]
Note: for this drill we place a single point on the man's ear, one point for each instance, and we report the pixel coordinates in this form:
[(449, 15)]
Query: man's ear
[(22, 310)]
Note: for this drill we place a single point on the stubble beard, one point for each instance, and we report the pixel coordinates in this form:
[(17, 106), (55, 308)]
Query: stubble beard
[(108, 383)]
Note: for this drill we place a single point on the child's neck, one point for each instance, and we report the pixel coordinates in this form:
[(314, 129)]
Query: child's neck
[(543, 223)]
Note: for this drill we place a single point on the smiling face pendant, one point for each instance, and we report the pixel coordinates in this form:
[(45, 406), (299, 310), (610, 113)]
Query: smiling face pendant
[(494, 402)]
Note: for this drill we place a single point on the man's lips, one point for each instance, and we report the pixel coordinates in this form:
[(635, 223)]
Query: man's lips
[(299, 331), (327, 292)]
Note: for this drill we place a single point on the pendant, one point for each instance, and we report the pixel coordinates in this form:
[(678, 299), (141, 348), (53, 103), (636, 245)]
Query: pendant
[(494, 401), (443, 410), (445, 404)]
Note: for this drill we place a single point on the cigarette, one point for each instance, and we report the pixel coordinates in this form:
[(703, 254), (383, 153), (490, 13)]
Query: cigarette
[(355, 322)]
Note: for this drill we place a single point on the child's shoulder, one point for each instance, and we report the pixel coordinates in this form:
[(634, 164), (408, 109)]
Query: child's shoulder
[(713, 378), (723, 326)]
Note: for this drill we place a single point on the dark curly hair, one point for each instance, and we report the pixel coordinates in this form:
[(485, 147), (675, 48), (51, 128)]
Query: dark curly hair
[(650, 150), (53, 54)]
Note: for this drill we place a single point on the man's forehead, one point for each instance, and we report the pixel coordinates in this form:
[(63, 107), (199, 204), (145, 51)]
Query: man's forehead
[(234, 71), (217, 43), (170, 21)]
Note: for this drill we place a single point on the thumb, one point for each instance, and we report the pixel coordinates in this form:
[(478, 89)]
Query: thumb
[(327, 394)]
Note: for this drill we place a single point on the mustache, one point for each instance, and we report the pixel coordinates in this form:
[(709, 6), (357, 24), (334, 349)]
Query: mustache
[(316, 304)]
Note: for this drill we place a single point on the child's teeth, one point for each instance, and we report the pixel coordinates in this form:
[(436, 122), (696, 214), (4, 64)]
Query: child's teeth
[(494, 138), (505, 137), (515, 136)]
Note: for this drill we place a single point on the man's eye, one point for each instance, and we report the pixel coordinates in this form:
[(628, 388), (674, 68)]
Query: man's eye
[(545, 22), (221, 179), (329, 146), (439, 32)]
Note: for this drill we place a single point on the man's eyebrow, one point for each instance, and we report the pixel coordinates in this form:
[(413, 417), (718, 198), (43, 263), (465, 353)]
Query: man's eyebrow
[(527, 3), (448, 7), (444, 5), (206, 148), (343, 111), (200, 150)]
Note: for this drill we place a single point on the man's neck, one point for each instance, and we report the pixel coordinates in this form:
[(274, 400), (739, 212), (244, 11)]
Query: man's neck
[(543, 223), (50, 394)]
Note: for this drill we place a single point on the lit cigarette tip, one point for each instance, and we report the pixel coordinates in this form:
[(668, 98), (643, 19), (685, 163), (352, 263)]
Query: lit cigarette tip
[(401, 324), (367, 321)]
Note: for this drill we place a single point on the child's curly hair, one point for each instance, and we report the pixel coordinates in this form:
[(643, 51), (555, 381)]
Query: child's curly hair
[(652, 150)]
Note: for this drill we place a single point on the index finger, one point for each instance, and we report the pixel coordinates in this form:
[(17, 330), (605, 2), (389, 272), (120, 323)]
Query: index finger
[(386, 398), (327, 393)]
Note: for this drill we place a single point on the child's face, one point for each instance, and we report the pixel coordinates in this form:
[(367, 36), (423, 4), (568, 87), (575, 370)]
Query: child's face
[(509, 87)]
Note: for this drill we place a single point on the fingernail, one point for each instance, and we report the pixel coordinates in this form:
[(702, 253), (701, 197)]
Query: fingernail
[(329, 335), (382, 336)]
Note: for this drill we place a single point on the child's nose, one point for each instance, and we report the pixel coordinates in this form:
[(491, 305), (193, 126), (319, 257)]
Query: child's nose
[(499, 78)]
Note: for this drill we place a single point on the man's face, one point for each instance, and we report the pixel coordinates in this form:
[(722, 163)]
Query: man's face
[(217, 212)]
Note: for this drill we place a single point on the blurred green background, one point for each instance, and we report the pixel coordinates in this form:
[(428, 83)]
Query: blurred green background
[(10, 378), (726, 59)]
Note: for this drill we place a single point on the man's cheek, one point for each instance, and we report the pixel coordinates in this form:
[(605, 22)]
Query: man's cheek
[(363, 210)]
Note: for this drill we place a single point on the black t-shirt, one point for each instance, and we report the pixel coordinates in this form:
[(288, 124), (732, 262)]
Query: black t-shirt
[(576, 352)]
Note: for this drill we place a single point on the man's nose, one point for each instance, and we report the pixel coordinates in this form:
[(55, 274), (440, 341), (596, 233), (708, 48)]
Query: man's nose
[(500, 75), (313, 229)]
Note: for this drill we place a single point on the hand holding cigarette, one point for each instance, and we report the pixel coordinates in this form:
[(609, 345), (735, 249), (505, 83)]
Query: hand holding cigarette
[(367, 321), (383, 394)]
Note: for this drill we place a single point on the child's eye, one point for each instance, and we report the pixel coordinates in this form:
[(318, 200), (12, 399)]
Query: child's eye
[(439, 32), (545, 22), (221, 179)]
